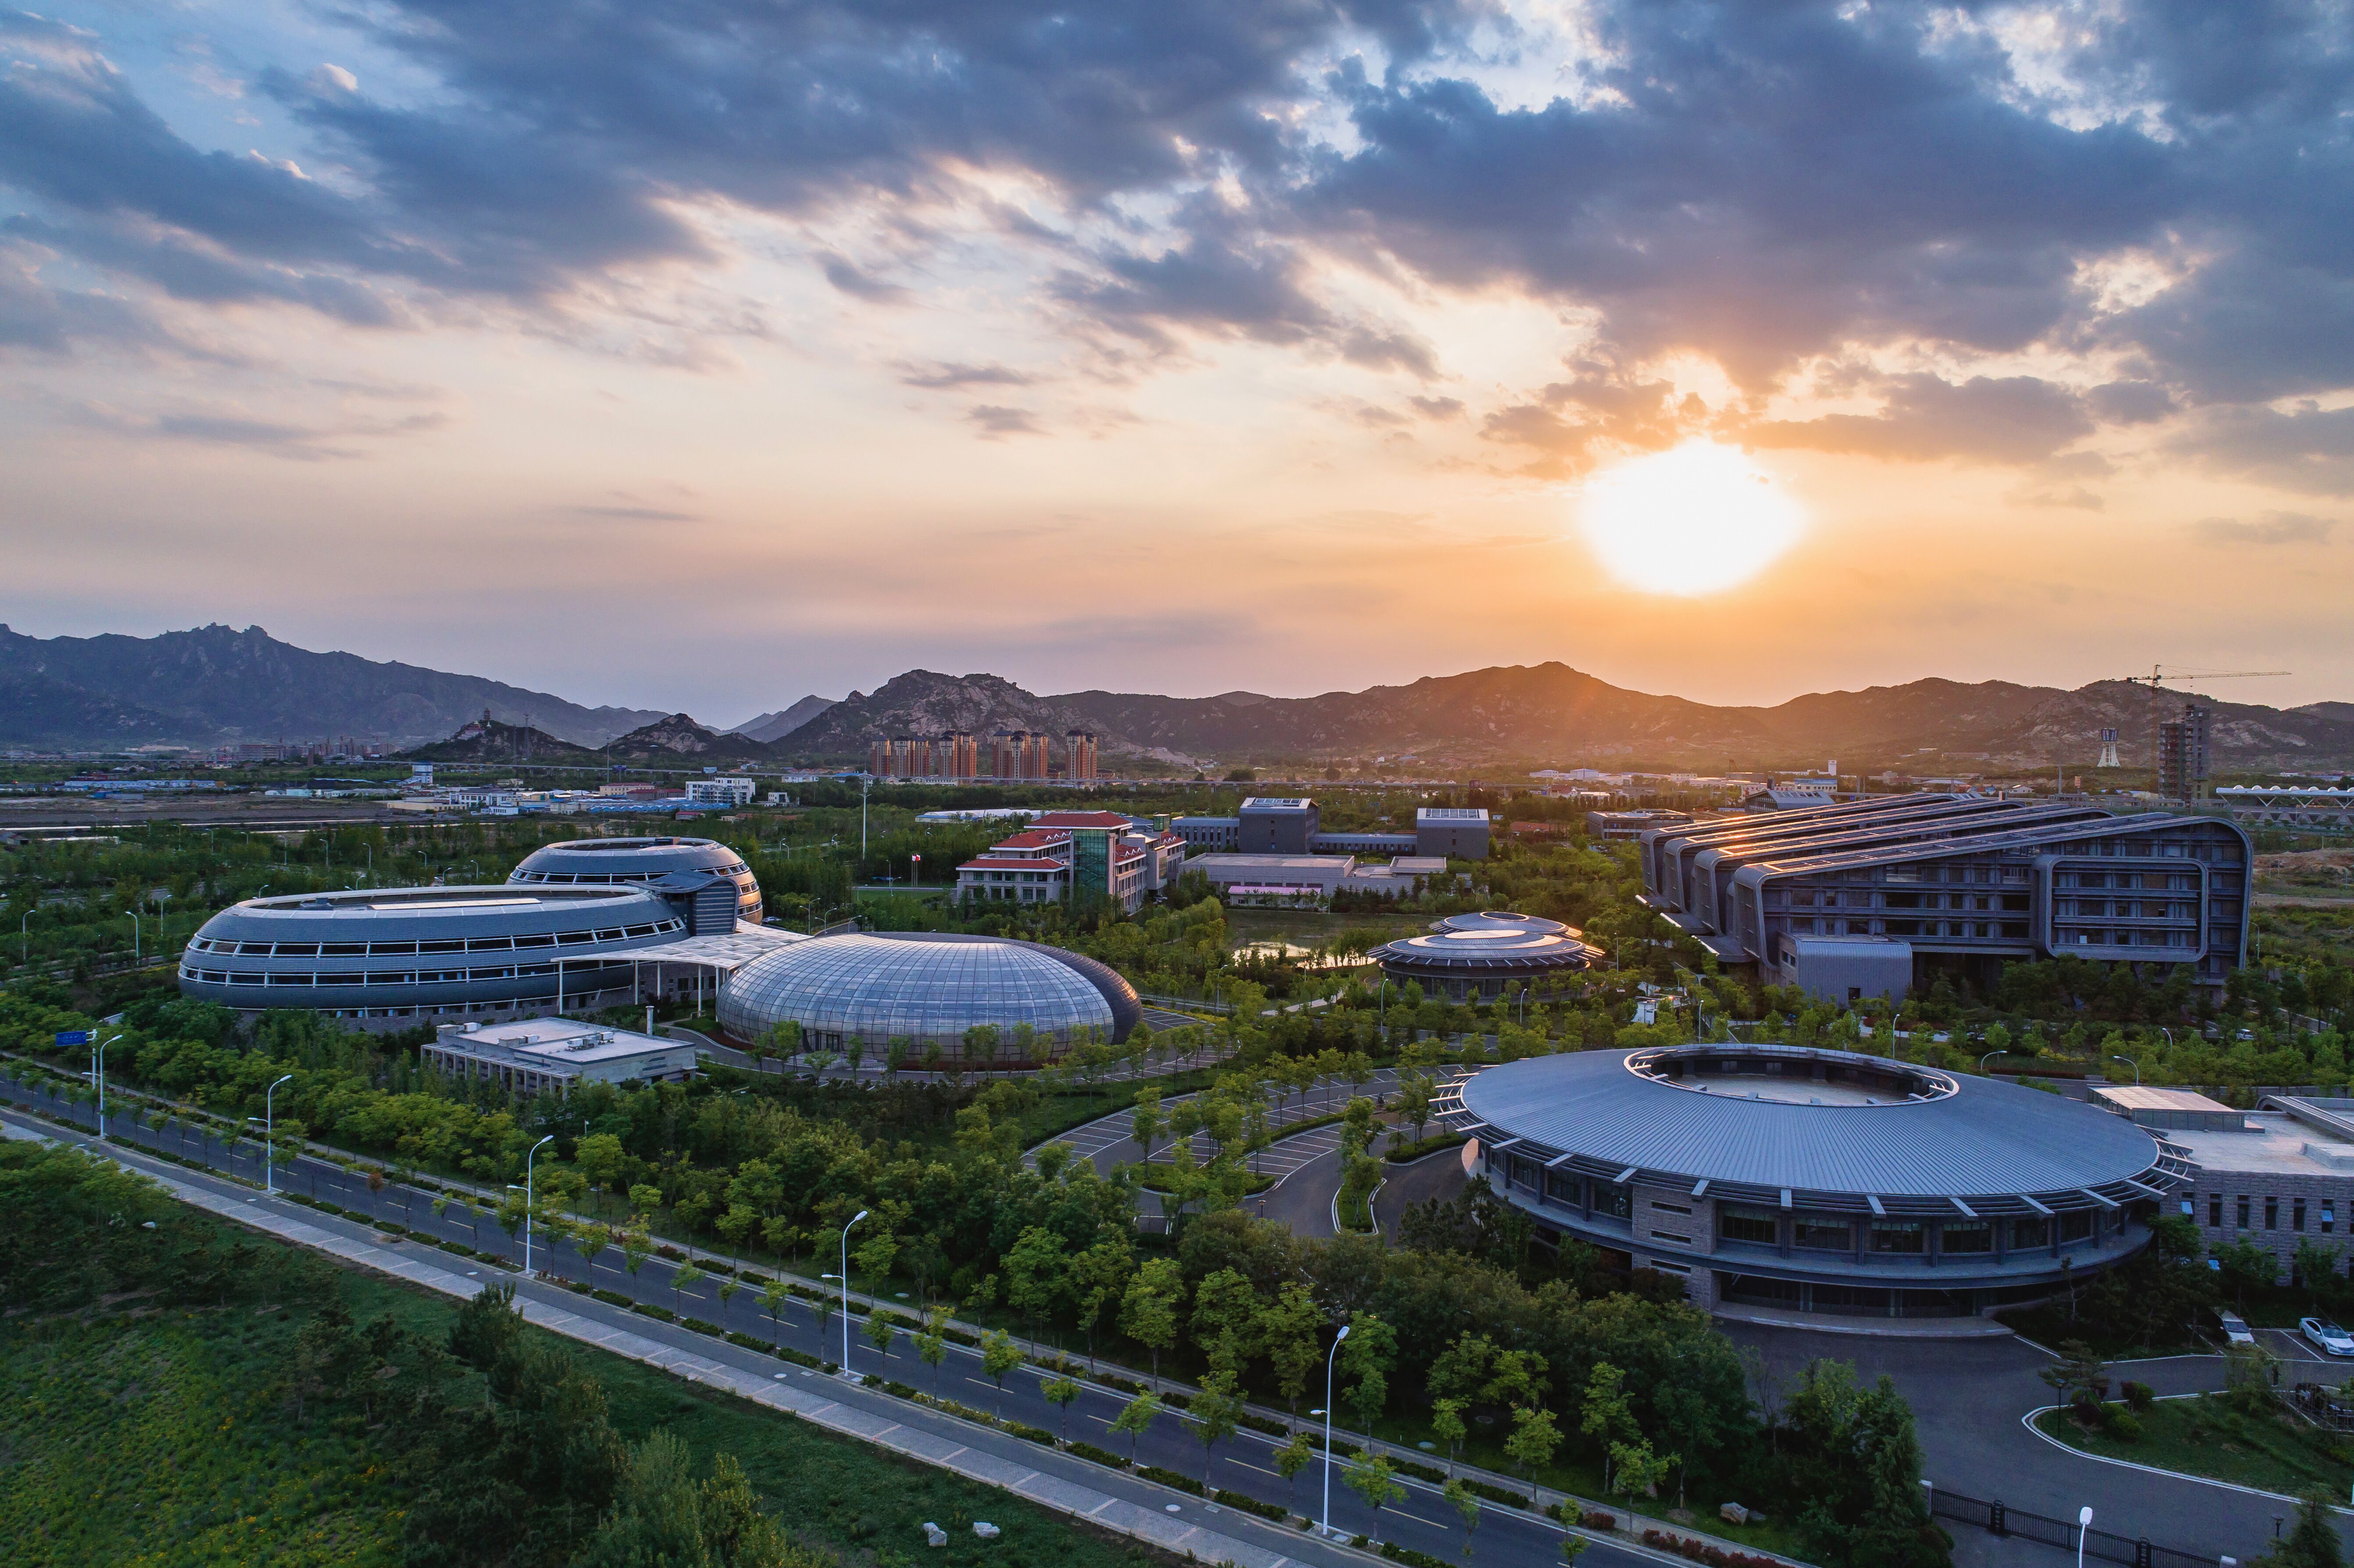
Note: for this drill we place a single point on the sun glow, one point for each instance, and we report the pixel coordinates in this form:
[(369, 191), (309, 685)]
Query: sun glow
[(1697, 519)]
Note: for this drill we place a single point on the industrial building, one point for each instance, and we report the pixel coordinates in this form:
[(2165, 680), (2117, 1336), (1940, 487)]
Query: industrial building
[(1625, 827), (1875, 897), (1794, 1179), (722, 790), (640, 860), (555, 1055), (930, 989), (1475, 958), (1458, 833), (386, 957)]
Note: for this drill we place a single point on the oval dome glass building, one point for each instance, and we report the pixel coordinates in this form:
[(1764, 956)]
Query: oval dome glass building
[(640, 860), (1473, 955), (928, 988), (1796, 1180), (402, 954)]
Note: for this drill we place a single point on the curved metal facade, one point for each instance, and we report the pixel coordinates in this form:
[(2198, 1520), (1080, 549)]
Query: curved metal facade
[(1480, 955), (927, 989), (426, 951), (1817, 1181), (601, 862)]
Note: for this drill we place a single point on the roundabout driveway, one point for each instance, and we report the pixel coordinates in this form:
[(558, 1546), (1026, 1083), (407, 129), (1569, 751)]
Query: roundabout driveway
[(1969, 1397)]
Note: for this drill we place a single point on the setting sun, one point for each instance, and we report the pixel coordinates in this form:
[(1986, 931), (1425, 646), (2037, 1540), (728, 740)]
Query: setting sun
[(1695, 519)]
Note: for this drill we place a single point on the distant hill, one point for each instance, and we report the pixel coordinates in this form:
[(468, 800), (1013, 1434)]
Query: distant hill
[(1551, 713), (679, 737), (214, 686), (490, 741), (771, 727)]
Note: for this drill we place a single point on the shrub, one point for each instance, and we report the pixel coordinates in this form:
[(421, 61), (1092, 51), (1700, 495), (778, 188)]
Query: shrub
[(1418, 1470), (2120, 1424), (1411, 1558), (664, 1313), (1170, 1479), (799, 1358), (611, 1297), (737, 1337), (1096, 1456), (461, 1248), (2140, 1396), (1494, 1493), (1249, 1504), (700, 1327)]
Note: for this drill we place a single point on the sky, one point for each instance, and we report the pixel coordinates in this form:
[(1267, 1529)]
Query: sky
[(707, 353)]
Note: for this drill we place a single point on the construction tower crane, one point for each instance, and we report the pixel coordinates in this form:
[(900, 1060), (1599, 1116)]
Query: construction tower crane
[(2158, 680)]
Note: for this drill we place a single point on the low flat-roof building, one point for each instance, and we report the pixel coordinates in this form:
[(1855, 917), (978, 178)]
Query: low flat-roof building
[(1273, 825), (2180, 1111), (555, 1055), (2283, 1175), (1456, 832), (1625, 827), (1475, 957)]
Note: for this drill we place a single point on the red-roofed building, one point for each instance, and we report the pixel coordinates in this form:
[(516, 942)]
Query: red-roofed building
[(1034, 865)]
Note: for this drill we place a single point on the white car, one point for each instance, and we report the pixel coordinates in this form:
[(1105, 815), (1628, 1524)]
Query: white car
[(2235, 1329), (2326, 1337)]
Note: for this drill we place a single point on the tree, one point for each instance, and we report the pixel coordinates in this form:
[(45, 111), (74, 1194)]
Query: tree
[(1136, 1418), (1367, 1355), (999, 1355), (773, 1297), (1374, 1479), (2077, 1374), (1213, 1413), (1607, 1415), (1148, 1312), (933, 1346), (1226, 1309), (683, 1279), (879, 1331), (1639, 1470), (2314, 1542), (1147, 1123), (1290, 1460), (1289, 1330), (1534, 1437), (1060, 1393), (1035, 1266), (873, 1258), (1467, 1503), (1447, 1425)]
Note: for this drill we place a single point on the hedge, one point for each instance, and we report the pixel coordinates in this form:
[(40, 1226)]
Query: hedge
[(1170, 1479), (1250, 1505)]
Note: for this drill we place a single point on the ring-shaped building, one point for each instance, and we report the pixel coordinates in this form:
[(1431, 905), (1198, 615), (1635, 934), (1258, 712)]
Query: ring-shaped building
[(929, 988), (1805, 1180), (387, 957), (1470, 957), (640, 860)]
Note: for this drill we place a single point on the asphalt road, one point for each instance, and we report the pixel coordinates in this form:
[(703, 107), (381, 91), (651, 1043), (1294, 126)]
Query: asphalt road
[(1506, 1537), (1967, 1399)]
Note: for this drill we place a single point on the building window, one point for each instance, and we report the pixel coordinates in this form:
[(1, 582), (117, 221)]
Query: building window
[(2328, 1217), (2296, 1215), (1757, 1226), (2272, 1213), (2077, 1225), (2030, 1231), (2244, 1212), (2214, 1211), (1970, 1236), (1896, 1235), (1822, 1232), (1672, 1236), (1613, 1198)]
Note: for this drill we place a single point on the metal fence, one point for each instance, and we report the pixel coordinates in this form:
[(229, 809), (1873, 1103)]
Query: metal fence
[(2100, 1545)]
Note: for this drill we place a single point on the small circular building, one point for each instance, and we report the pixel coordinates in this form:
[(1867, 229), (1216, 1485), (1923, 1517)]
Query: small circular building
[(929, 988), (1816, 1182), (388, 957), (599, 862), (1469, 957)]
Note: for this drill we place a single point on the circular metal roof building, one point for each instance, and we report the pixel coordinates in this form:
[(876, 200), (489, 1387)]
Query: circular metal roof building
[(1783, 1179), (929, 988), (1480, 955), (420, 952), (640, 860)]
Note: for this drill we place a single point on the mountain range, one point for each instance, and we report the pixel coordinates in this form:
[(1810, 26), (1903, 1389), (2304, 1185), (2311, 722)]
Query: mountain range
[(213, 685)]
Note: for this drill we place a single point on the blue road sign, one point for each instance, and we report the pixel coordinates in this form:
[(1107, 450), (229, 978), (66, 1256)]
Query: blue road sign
[(73, 1036)]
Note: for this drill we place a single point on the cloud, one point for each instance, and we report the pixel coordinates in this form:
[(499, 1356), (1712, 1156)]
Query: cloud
[(274, 437), (2012, 419), (636, 513), (859, 283), (938, 376), (2306, 449), (1438, 407), (2272, 528), (995, 420)]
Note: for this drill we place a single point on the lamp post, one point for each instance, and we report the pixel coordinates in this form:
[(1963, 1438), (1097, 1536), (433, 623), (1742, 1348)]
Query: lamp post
[(98, 1071), (1989, 1057), (2134, 1064), (527, 1199), (134, 934), (269, 1137), (1325, 1528), (2084, 1528), (845, 1291)]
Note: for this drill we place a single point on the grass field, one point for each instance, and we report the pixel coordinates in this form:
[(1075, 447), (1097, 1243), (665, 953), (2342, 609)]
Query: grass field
[(2205, 1437), (153, 1440)]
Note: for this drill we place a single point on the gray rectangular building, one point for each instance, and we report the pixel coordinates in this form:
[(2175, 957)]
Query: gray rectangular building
[(1273, 825), (1458, 833)]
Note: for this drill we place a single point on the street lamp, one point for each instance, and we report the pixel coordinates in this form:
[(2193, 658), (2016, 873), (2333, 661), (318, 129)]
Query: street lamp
[(2134, 1064), (134, 934), (1989, 1057), (845, 1291), (2084, 1528), (98, 1071), (527, 1158), (1330, 1357), (269, 1137)]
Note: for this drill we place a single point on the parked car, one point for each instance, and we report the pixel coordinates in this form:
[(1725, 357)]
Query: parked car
[(2326, 1337), (2235, 1329)]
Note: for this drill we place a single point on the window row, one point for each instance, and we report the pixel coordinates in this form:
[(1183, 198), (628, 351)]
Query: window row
[(445, 945), (2243, 1211), (274, 979)]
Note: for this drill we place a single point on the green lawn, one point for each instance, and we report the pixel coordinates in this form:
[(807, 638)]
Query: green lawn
[(163, 1440), (2205, 1437)]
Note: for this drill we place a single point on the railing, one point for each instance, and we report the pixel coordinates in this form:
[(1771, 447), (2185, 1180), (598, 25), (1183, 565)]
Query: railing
[(1997, 1518)]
